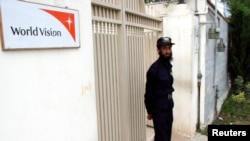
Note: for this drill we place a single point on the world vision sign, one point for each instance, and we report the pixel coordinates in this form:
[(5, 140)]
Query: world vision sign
[(28, 25)]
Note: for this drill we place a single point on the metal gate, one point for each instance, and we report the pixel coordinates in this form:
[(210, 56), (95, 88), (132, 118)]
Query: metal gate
[(124, 47)]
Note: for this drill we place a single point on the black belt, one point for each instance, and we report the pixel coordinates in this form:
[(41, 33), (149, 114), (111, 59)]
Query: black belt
[(167, 96)]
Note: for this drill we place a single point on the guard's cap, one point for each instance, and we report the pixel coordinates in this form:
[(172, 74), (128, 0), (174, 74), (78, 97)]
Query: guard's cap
[(164, 41)]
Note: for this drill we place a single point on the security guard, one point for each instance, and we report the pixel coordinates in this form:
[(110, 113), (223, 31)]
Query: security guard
[(159, 88)]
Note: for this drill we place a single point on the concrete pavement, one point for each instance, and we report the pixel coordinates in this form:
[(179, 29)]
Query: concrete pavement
[(176, 137)]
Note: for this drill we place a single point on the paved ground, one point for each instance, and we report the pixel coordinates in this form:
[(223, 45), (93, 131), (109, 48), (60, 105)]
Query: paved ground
[(176, 137)]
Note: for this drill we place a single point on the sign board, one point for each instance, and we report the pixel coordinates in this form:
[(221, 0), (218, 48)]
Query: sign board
[(28, 25)]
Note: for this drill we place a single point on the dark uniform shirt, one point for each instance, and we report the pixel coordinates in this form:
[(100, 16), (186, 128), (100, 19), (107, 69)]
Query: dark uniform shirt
[(158, 85)]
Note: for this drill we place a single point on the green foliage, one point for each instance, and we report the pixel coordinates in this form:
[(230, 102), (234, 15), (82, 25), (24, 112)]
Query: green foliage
[(239, 49), (235, 110), (247, 88), (238, 84), (238, 5), (239, 98), (236, 107)]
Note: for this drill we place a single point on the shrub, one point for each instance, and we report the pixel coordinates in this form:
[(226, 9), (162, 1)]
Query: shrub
[(247, 88), (239, 98), (239, 84)]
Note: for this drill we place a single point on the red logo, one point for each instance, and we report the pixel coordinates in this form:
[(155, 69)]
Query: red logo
[(67, 19)]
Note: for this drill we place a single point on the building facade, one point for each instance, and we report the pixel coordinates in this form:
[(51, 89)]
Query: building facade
[(94, 91)]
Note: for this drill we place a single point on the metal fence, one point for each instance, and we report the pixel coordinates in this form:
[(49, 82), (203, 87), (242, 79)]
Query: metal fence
[(124, 47)]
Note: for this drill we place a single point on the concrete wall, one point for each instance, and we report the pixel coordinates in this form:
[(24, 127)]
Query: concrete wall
[(217, 83), (179, 25), (48, 94)]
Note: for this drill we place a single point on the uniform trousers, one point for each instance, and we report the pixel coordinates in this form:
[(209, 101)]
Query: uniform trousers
[(163, 120)]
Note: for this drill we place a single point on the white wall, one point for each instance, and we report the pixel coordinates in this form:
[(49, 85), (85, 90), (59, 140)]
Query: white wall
[(179, 25), (48, 94), (217, 85)]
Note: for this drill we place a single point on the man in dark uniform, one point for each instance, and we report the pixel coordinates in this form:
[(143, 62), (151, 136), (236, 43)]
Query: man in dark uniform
[(159, 87)]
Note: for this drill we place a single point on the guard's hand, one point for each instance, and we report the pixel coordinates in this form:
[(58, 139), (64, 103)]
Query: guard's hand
[(149, 117)]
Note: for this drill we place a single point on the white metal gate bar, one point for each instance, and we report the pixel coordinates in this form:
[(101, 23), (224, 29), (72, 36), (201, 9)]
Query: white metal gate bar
[(139, 20), (150, 55), (107, 1), (105, 39), (136, 69), (132, 4)]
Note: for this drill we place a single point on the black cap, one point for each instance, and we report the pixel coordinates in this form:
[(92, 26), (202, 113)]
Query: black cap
[(164, 41)]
